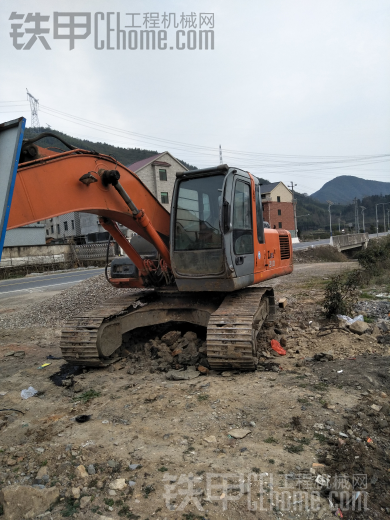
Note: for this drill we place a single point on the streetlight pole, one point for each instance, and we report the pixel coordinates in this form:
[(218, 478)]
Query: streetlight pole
[(330, 203), (363, 208), (384, 217), (294, 208), (376, 217)]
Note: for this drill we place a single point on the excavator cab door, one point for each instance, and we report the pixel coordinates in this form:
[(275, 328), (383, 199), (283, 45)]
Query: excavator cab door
[(242, 227)]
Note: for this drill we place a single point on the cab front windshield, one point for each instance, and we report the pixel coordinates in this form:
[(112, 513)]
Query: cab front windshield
[(198, 212)]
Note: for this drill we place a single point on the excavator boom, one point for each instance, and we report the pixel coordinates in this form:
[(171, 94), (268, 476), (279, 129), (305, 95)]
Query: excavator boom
[(51, 186)]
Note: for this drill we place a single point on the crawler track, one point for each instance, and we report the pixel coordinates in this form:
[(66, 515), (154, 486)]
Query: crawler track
[(94, 338), (233, 327)]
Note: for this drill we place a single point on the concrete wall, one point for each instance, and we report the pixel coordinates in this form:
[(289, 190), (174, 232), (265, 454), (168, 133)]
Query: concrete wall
[(31, 235), (344, 242), (16, 256), (150, 176)]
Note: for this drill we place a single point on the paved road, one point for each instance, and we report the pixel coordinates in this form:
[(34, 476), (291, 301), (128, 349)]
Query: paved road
[(315, 243), (55, 281)]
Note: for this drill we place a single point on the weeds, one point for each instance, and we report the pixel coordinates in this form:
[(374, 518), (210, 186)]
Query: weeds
[(271, 440), (320, 437), (87, 396), (147, 490), (71, 508), (321, 387), (191, 516), (294, 448), (296, 423), (203, 397), (162, 469)]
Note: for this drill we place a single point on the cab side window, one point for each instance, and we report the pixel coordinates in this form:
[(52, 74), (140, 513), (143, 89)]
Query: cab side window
[(242, 220), (259, 216)]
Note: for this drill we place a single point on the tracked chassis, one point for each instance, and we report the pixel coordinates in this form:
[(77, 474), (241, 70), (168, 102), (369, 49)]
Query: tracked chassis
[(233, 320)]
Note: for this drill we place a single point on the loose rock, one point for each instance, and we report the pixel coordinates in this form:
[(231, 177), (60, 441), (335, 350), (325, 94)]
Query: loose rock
[(26, 501)]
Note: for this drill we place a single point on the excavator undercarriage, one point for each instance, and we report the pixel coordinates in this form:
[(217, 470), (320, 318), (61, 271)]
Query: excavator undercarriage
[(232, 321)]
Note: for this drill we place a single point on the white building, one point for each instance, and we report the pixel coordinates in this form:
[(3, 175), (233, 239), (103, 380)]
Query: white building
[(158, 173)]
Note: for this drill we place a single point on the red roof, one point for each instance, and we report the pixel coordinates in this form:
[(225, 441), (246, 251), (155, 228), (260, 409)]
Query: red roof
[(140, 164)]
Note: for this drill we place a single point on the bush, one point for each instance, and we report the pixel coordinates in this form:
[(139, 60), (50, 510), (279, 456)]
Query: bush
[(376, 258), (341, 293)]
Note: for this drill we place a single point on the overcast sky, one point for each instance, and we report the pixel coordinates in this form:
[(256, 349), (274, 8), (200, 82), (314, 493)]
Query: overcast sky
[(285, 78)]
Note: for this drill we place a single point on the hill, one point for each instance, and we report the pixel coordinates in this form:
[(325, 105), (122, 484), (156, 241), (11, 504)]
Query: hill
[(343, 189), (125, 156)]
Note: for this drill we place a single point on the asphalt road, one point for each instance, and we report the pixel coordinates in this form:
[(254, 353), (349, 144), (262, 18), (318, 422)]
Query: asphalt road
[(53, 281)]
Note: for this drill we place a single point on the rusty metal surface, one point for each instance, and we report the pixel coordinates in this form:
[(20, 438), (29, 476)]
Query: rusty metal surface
[(233, 327)]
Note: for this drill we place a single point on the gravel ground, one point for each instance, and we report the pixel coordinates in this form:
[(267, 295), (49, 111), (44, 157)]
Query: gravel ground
[(57, 309)]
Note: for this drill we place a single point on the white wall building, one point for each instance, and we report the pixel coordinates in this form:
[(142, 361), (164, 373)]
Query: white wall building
[(158, 173)]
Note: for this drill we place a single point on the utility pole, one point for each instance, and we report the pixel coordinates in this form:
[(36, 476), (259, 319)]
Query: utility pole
[(363, 208), (388, 219), (357, 225), (220, 155), (376, 219), (339, 225), (294, 208), (34, 105), (330, 203)]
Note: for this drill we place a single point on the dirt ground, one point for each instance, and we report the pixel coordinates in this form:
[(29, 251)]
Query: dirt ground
[(301, 418)]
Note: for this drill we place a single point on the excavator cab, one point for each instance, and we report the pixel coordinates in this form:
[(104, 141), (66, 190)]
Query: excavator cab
[(218, 241)]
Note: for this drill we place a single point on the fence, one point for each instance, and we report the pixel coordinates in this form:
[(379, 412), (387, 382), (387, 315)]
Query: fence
[(97, 251)]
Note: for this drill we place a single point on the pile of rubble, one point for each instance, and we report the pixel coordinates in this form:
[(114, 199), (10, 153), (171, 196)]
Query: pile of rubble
[(178, 352), (374, 309)]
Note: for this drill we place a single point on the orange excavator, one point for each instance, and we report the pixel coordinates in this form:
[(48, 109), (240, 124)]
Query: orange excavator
[(203, 264)]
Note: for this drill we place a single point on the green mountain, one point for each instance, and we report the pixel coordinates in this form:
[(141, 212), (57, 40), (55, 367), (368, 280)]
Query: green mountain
[(343, 189), (125, 156)]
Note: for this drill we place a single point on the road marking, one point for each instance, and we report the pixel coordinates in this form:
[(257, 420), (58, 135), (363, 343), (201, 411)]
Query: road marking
[(41, 287), (48, 278)]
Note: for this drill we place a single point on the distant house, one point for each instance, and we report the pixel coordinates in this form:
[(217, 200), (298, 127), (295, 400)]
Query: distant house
[(278, 207), (158, 173)]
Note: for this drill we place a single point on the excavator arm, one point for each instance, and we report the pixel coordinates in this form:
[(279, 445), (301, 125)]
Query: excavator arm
[(83, 181)]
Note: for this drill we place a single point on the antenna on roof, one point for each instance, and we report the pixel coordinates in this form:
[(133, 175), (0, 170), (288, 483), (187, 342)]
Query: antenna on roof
[(220, 155)]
